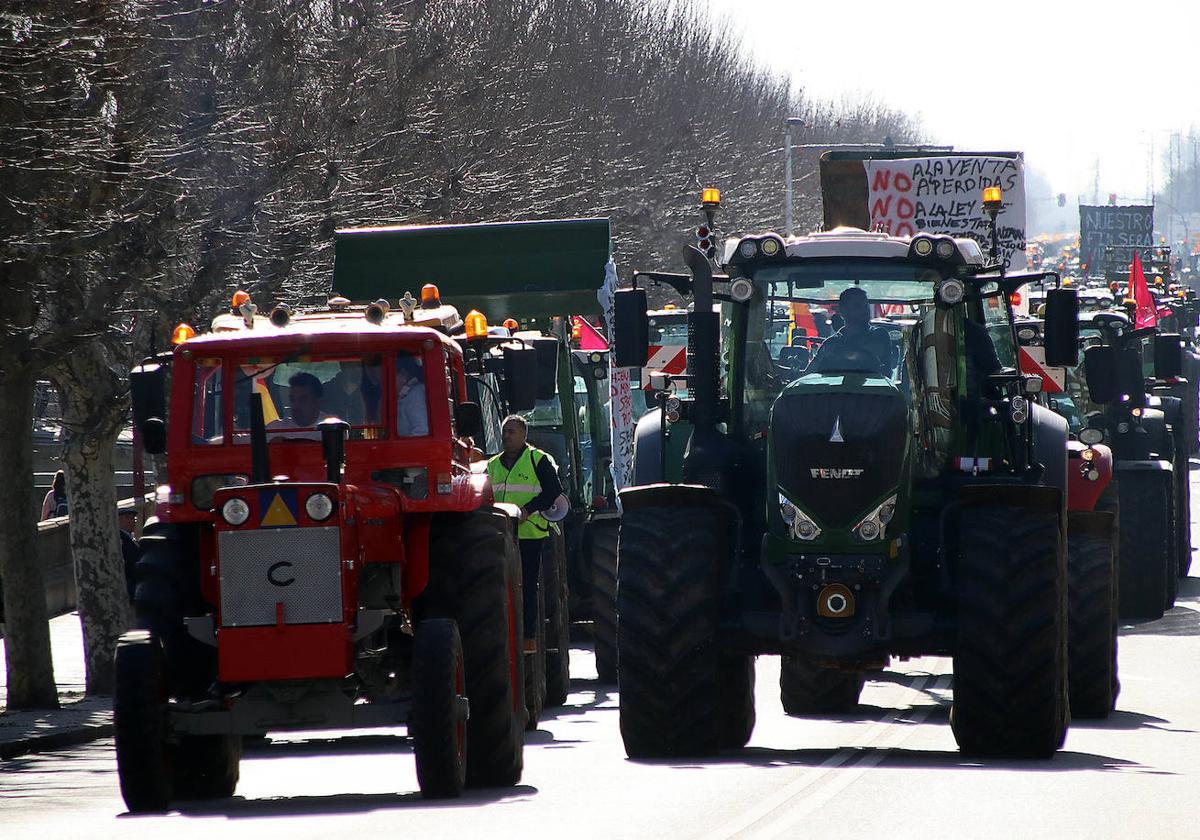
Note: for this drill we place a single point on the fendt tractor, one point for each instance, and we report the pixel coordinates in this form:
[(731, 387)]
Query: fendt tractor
[(326, 553), (536, 274), (866, 509)]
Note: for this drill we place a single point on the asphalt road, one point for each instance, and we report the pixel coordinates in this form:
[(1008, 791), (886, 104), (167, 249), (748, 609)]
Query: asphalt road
[(890, 770)]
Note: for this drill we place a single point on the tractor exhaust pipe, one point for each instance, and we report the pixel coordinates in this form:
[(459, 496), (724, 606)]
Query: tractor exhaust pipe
[(704, 341), (260, 463)]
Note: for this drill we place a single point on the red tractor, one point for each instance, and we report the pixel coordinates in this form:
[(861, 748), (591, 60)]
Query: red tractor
[(326, 553)]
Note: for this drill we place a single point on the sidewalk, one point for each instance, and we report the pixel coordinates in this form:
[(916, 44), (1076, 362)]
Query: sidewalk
[(78, 720)]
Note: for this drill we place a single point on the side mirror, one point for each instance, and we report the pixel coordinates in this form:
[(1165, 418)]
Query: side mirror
[(1060, 336), (547, 373), (520, 378), (1100, 366), (154, 436), (148, 396), (631, 329), (1168, 356), (1131, 380), (468, 419)]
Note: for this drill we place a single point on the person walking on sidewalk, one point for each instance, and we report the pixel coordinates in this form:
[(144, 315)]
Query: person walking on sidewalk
[(527, 477)]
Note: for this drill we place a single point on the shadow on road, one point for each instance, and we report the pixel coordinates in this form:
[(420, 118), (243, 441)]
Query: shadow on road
[(1180, 621), (1125, 721), (346, 745), (345, 803), (767, 758)]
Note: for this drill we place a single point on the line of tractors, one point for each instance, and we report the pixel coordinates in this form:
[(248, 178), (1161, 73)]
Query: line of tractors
[(343, 565)]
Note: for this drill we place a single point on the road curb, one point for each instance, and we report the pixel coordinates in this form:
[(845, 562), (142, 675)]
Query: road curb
[(54, 740)]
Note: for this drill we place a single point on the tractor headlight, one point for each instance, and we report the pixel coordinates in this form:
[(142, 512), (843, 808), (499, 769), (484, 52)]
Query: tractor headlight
[(741, 289), (771, 246), (748, 249), (1019, 409), (319, 507), (875, 523), (922, 246), (950, 292), (235, 511), (945, 248), (1091, 436), (800, 524)]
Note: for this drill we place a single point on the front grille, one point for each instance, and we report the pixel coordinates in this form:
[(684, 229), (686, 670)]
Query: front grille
[(297, 567), (873, 429)]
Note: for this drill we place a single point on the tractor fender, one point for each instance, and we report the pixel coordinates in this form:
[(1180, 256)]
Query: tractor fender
[(1154, 423), (1123, 467), (1084, 492), (673, 495), (1050, 446), (647, 449), (1035, 496)]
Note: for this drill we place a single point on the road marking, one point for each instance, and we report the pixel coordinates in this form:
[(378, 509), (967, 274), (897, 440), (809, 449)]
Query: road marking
[(815, 798)]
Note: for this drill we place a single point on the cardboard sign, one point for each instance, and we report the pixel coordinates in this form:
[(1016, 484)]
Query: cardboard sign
[(944, 195), (1129, 227), (620, 394)]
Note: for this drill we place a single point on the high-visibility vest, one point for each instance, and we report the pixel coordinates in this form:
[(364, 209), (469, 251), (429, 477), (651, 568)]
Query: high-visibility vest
[(519, 486)]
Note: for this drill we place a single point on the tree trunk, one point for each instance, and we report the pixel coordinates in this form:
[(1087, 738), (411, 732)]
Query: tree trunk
[(26, 625), (93, 411)]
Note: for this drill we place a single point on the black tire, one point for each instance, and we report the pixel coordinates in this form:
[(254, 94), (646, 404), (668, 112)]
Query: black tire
[(438, 720), (475, 578), (558, 622), (809, 689), (144, 757), (604, 598), (1010, 657), (669, 661), (736, 701), (1145, 552), (535, 663), (1109, 503), (1092, 625), (207, 766), (1175, 560)]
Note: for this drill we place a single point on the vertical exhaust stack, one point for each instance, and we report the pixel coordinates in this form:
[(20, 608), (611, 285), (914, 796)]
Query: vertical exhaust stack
[(333, 447), (704, 340), (260, 463)]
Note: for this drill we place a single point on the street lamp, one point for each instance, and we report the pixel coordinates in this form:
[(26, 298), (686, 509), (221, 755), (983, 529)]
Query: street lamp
[(788, 125)]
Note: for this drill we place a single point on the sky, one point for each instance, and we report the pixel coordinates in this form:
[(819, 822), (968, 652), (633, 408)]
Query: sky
[(1069, 83)]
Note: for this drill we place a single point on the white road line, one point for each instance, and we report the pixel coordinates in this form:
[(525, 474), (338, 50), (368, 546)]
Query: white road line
[(785, 796)]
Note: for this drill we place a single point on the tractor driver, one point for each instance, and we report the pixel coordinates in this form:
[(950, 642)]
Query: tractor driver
[(527, 477), (304, 407), (857, 345)]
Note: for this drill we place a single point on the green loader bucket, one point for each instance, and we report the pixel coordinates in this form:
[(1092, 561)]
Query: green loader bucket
[(506, 269)]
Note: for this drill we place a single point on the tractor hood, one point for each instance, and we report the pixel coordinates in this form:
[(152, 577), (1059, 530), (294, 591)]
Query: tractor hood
[(838, 444)]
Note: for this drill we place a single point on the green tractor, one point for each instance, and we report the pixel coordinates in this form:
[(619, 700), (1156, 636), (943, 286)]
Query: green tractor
[(533, 276), (859, 509)]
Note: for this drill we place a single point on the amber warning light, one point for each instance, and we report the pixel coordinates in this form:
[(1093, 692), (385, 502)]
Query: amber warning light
[(711, 195), (475, 324), (182, 333), (992, 197)]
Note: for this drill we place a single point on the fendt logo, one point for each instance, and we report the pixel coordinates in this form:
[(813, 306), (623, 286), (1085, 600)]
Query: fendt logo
[(835, 472)]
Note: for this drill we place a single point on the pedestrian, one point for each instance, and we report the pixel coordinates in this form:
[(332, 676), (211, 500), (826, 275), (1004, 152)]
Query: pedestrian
[(55, 503), (527, 477), (412, 414), (126, 525)]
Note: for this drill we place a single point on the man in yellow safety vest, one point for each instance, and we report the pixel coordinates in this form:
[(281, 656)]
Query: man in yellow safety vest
[(527, 477)]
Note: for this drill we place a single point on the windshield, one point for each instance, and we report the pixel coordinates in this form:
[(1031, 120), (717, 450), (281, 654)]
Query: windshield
[(299, 392)]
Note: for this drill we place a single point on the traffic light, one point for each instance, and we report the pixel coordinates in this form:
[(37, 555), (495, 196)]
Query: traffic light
[(704, 241)]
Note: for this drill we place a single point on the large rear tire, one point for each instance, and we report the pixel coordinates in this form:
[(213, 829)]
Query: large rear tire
[(671, 698), (1010, 658), (809, 689), (558, 622), (438, 720), (144, 757), (604, 598), (1092, 621), (475, 578), (1145, 552)]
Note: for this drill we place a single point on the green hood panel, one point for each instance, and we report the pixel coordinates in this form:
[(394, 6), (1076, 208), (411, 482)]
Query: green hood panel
[(507, 269)]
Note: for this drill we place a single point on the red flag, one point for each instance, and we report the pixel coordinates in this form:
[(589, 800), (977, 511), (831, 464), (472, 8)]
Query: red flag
[(589, 337), (1139, 293)]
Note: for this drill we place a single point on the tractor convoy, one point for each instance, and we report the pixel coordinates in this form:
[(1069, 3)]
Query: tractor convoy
[(943, 475)]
